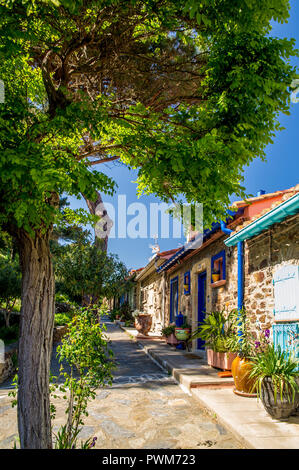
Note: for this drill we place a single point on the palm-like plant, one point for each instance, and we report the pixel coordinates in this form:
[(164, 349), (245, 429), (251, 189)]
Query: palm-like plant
[(216, 329), (278, 366)]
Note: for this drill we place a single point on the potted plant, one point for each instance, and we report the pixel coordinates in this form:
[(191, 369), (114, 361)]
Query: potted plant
[(143, 322), (182, 333), (169, 333), (216, 274), (246, 346), (276, 377), (216, 330)]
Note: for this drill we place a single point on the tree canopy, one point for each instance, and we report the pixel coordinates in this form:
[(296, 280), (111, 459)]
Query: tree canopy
[(187, 92)]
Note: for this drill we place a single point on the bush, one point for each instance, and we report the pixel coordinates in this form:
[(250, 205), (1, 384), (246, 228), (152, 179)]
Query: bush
[(9, 334), (62, 319)]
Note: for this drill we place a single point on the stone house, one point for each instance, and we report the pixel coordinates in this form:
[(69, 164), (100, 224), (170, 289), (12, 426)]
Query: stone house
[(246, 258)]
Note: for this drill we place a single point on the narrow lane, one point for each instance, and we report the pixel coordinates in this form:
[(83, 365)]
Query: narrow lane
[(144, 409)]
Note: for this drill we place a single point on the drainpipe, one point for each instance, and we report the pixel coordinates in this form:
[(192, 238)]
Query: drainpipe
[(240, 270)]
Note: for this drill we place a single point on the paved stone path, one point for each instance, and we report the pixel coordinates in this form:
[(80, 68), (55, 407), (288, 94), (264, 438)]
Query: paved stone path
[(145, 408)]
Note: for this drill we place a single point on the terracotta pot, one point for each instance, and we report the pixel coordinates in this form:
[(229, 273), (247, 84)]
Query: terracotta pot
[(221, 360), (182, 333), (215, 277), (171, 339), (241, 368), (143, 323), (279, 409)]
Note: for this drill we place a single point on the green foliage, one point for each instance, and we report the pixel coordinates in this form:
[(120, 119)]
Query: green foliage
[(85, 270), (62, 319), (191, 93), (85, 351), (125, 312), (217, 329), (10, 286), (114, 313), (168, 330), (280, 367)]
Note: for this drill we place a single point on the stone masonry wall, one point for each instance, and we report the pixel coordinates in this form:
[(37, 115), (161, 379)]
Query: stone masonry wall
[(265, 254)]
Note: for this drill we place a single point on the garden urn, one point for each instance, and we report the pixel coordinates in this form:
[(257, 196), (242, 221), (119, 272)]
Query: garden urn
[(143, 323)]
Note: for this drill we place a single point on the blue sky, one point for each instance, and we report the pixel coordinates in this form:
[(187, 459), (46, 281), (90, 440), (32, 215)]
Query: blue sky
[(279, 171)]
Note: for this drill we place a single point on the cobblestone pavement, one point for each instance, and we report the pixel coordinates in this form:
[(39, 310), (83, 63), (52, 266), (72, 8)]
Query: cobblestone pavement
[(145, 408)]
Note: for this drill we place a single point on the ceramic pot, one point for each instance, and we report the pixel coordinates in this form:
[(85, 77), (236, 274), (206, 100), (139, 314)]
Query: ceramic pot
[(143, 323), (215, 277), (279, 409), (241, 368), (220, 360), (171, 339), (182, 333)]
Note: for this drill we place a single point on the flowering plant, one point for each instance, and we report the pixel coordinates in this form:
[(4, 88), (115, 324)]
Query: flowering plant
[(245, 342)]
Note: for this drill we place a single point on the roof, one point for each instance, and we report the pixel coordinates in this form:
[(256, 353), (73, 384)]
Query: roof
[(265, 196), (277, 213)]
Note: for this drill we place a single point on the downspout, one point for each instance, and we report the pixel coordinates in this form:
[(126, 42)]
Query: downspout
[(240, 271)]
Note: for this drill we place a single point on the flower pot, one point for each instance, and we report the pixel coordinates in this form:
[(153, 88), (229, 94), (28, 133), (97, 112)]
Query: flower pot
[(182, 333), (220, 360), (241, 369), (215, 277), (143, 323), (171, 339), (279, 409)]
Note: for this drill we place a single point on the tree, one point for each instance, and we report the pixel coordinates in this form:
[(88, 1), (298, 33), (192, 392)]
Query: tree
[(86, 270), (187, 92)]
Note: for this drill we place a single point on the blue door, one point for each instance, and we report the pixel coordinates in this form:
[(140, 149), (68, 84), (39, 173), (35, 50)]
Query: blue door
[(202, 289), (174, 298)]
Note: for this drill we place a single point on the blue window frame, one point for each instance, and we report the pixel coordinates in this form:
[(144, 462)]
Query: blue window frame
[(219, 261), (187, 282)]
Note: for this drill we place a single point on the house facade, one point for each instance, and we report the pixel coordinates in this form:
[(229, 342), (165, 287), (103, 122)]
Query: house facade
[(244, 251)]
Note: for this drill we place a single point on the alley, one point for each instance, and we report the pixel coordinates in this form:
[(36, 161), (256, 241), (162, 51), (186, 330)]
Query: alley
[(144, 408)]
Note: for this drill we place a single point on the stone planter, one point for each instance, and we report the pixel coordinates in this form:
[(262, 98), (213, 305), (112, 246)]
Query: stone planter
[(143, 323), (279, 409), (220, 360)]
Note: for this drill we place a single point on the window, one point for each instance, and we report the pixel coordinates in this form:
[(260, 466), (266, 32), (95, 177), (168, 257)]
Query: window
[(218, 268), (187, 283)]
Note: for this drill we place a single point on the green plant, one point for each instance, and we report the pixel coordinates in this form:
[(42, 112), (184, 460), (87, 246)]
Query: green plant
[(62, 319), (85, 350), (216, 330), (280, 367), (168, 330), (244, 341), (113, 314), (125, 312)]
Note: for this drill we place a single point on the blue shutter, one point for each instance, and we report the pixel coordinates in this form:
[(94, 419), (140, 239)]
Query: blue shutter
[(286, 293), (287, 336)]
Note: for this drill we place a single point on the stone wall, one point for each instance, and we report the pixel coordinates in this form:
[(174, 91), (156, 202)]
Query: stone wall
[(8, 367), (265, 254), (151, 299), (217, 298)]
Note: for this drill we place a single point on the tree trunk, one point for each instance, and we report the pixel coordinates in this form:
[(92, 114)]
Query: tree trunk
[(35, 341), (98, 208)]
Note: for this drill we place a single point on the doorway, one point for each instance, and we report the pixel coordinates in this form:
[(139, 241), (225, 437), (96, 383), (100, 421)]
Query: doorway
[(201, 312)]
